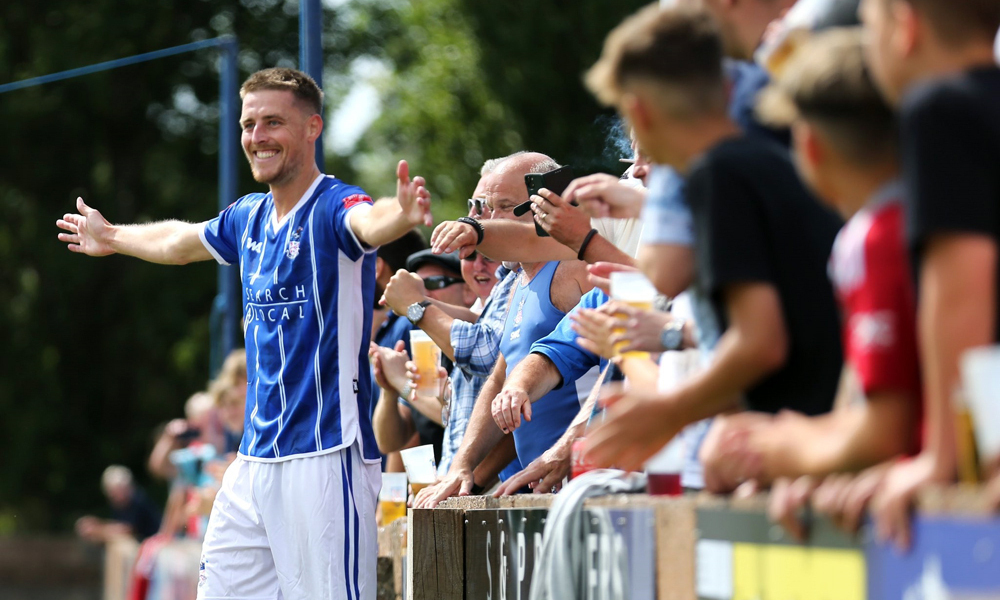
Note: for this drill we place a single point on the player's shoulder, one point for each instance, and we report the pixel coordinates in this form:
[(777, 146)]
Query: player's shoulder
[(245, 205), (336, 194)]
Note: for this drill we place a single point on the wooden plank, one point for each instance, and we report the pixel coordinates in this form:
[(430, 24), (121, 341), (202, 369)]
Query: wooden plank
[(675, 546), (449, 553), (421, 556)]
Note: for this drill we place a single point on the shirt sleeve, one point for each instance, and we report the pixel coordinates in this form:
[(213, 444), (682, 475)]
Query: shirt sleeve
[(221, 236), (666, 216), (730, 227), (950, 165), (560, 347), (476, 346), (347, 199), (880, 334)]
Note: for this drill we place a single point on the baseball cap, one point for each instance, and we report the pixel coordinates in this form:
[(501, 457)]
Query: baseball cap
[(448, 261)]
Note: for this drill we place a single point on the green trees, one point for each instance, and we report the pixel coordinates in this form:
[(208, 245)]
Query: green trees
[(96, 353)]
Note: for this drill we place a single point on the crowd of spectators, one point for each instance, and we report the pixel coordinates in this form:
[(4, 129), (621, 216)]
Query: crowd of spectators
[(191, 455), (814, 197), (815, 201)]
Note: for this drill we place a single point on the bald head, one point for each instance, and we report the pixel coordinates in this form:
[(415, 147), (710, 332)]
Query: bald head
[(503, 185)]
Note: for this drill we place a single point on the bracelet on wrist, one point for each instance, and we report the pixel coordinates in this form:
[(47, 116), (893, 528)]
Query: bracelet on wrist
[(475, 225), (586, 242)]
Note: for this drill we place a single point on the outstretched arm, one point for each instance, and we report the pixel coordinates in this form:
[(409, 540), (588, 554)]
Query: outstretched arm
[(390, 218), (166, 242)]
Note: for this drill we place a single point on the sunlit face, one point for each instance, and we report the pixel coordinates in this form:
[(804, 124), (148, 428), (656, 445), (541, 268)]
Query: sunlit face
[(232, 408), (503, 190), (881, 50), (480, 275), (278, 135)]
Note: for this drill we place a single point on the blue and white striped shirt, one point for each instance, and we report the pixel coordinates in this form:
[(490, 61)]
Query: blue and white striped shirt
[(308, 290)]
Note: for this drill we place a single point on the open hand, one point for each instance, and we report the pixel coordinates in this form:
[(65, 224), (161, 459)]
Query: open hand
[(544, 475), (458, 482), (600, 274), (638, 424), (88, 232), (413, 197), (507, 408)]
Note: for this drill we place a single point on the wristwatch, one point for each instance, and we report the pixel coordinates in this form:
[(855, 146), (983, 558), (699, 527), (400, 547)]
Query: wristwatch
[(672, 335), (415, 311)]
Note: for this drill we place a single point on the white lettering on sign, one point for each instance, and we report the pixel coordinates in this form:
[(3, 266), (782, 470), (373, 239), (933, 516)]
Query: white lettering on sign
[(503, 566), (489, 573)]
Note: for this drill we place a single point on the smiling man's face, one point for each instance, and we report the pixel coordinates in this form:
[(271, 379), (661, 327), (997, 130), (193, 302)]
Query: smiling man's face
[(277, 133)]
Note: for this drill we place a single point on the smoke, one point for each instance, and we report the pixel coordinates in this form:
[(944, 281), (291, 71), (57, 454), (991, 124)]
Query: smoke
[(616, 140)]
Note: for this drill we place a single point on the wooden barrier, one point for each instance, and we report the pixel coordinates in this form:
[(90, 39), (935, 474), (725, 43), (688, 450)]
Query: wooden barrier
[(704, 548)]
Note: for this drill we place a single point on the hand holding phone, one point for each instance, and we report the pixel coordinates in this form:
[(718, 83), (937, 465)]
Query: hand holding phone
[(555, 181)]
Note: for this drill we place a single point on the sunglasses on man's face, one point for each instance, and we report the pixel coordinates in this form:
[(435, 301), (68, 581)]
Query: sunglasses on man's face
[(476, 206), (438, 282)]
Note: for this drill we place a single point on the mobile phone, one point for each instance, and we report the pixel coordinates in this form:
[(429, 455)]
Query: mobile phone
[(189, 435), (555, 181)]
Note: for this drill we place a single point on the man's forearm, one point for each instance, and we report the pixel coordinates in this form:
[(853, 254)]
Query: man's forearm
[(602, 250), (514, 241), (165, 242), (391, 430), (456, 312), (536, 376), (482, 433), (383, 223), (437, 324)]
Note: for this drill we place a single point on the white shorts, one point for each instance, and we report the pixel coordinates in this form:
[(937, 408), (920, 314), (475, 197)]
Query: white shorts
[(299, 529)]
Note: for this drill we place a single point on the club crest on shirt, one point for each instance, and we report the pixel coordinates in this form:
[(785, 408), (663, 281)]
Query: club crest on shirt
[(292, 250)]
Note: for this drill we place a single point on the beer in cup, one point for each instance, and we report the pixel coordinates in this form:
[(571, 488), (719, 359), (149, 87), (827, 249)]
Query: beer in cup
[(392, 497), (634, 289), (427, 357)]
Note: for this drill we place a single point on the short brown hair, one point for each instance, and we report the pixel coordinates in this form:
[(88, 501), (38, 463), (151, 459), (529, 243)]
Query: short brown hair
[(679, 48), (955, 20), (290, 80), (827, 84)]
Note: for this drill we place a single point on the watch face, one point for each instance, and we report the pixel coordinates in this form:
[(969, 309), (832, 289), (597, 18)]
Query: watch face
[(415, 312)]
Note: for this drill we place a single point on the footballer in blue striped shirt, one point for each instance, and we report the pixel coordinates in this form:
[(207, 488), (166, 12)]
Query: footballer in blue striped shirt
[(295, 517)]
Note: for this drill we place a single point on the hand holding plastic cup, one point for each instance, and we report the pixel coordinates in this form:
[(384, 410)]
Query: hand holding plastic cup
[(420, 466), (427, 357), (634, 289)]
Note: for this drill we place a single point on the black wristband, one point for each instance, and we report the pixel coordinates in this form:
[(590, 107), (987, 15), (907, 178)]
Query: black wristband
[(475, 225), (477, 490), (586, 242)]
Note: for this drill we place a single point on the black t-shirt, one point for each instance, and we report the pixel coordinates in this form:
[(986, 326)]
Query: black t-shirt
[(754, 222), (141, 514), (951, 159)]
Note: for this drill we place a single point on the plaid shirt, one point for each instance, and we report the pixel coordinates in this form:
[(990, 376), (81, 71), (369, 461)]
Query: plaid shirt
[(477, 347)]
